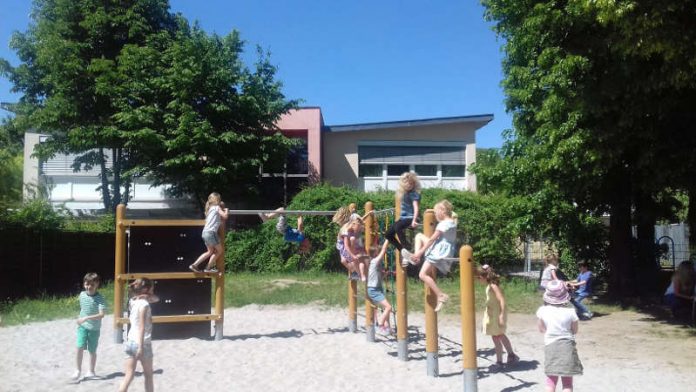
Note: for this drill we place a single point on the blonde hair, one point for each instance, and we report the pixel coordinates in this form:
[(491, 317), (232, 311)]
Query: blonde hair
[(447, 208), (213, 200), (408, 182), (551, 258), (342, 216)]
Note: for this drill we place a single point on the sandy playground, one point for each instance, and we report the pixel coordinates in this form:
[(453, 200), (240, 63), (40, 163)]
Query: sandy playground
[(308, 348)]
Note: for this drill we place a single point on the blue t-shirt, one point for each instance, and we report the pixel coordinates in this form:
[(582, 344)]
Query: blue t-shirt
[(407, 204), (587, 287), (292, 235)]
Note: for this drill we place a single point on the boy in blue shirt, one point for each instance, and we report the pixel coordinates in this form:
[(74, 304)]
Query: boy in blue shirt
[(289, 234), (92, 308), (583, 289)]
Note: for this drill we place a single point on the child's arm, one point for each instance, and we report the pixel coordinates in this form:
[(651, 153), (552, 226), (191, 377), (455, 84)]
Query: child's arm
[(541, 325), (574, 327), (97, 316), (553, 274), (426, 245), (300, 224), (141, 331), (416, 204), (501, 299), (224, 213), (152, 298), (385, 245)]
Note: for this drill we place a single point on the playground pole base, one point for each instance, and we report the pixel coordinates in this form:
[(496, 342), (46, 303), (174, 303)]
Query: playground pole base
[(352, 325), (403, 349), (470, 382), (433, 368), (370, 333)]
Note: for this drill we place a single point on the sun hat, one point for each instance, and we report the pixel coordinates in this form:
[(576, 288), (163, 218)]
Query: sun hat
[(556, 293)]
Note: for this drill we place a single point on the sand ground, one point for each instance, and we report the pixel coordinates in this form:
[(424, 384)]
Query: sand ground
[(309, 348)]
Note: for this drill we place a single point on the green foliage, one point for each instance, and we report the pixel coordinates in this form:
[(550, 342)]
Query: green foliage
[(35, 214), (493, 225), (10, 178)]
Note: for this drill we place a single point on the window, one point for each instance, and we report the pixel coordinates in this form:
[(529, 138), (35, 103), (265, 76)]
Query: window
[(396, 170), (426, 170), (453, 170), (370, 170)]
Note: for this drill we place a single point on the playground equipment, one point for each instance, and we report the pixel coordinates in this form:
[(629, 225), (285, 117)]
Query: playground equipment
[(158, 250)]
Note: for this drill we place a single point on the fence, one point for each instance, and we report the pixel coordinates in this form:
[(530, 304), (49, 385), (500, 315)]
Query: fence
[(51, 262)]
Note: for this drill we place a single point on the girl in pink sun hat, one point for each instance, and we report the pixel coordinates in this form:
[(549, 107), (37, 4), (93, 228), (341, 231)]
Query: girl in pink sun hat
[(559, 324)]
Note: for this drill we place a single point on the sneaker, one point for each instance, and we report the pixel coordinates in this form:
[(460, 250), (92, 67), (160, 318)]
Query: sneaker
[(406, 257), (512, 359), (441, 302), (210, 270), (496, 367), (263, 217), (194, 268), (76, 376), (587, 315), (90, 375)]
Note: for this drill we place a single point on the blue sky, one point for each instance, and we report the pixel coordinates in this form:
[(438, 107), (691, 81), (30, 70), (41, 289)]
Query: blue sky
[(359, 61)]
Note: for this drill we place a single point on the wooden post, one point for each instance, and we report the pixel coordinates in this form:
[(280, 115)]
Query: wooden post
[(369, 240), (431, 332), (466, 282), (220, 285), (119, 268), (352, 298), (401, 299)]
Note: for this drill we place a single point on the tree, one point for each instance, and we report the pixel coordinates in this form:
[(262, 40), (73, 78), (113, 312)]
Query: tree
[(130, 82), (590, 107)]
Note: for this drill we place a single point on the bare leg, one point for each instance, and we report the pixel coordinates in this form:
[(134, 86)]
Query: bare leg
[(130, 372), (300, 223), (147, 374), (207, 254), (80, 352), (271, 215), (386, 312), (424, 275), (217, 250), (92, 362), (508, 346), (498, 349)]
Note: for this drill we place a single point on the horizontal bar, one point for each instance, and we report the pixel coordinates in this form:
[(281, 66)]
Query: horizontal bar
[(286, 212), (182, 318), (162, 222), (167, 275)]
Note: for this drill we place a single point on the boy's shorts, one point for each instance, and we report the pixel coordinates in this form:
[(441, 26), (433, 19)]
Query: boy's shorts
[(375, 294), (210, 238), (131, 348), (87, 338)]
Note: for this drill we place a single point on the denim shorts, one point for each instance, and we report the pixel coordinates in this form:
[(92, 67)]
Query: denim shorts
[(131, 348), (375, 294), (210, 238)]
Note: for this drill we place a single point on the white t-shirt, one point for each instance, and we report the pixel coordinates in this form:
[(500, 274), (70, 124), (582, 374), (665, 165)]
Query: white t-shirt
[(558, 320), (546, 276), (212, 219), (136, 305)]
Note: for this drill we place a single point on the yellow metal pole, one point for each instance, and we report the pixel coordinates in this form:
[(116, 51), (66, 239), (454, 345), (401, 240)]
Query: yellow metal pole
[(220, 286), (119, 268), (352, 298), (431, 332), (401, 300), (369, 239), (466, 276)]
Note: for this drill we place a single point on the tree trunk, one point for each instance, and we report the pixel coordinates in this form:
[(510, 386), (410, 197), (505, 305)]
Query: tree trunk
[(116, 153), (691, 219), (621, 272), (104, 176), (646, 268)]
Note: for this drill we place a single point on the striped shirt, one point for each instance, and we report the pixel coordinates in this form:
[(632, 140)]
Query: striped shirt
[(89, 306)]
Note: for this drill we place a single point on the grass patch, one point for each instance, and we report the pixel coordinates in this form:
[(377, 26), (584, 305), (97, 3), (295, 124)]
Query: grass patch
[(325, 289)]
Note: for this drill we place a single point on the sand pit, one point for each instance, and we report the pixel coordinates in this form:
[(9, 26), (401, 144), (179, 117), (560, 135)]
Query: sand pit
[(309, 348)]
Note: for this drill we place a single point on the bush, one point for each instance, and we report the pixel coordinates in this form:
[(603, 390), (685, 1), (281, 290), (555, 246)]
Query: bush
[(490, 224)]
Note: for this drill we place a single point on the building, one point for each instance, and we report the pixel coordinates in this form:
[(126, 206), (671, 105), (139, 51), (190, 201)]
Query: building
[(365, 156)]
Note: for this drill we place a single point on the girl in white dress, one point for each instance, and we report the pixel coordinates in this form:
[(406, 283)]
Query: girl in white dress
[(438, 249)]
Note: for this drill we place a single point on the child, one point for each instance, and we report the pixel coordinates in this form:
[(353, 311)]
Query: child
[(289, 234), (583, 289), (213, 216), (681, 291), (375, 291), (345, 214), (559, 324), (436, 249), (550, 271), (409, 186), (92, 308), (350, 248), (495, 318), (138, 347)]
